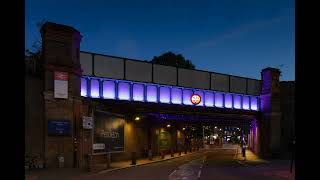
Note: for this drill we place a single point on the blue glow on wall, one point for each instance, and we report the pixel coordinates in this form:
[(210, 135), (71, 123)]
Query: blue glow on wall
[(124, 91), (209, 98), (200, 93), (245, 102), (236, 101), (187, 93), (95, 88), (164, 94), (152, 93), (138, 92), (218, 100), (109, 90), (228, 100), (254, 103), (84, 87)]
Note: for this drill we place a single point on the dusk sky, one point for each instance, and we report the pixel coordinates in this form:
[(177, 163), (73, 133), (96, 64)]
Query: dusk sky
[(238, 37)]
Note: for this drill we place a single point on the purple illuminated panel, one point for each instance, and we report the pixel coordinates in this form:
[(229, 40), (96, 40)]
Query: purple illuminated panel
[(124, 91), (245, 102), (95, 88), (151, 93), (138, 92), (218, 100), (228, 100), (254, 103), (236, 101), (164, 94), (200, 93), (187, 93), (208, 99), (176, 95), (109, 90), (84, 87)]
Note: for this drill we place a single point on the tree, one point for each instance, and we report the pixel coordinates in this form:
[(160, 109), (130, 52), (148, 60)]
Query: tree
[(171, 59), (33, 55), (36, 48)]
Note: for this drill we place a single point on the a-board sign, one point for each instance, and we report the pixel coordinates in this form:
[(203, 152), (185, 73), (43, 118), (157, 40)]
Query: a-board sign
[(109, 130)]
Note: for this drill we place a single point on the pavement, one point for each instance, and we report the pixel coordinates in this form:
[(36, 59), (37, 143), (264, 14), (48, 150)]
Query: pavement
[(74, 173)]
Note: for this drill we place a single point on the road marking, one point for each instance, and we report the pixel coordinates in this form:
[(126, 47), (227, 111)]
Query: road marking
[(172, 172), (199, 173)]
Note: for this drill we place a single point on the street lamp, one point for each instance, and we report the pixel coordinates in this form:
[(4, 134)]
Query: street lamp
[(137, 118), (168, 125)]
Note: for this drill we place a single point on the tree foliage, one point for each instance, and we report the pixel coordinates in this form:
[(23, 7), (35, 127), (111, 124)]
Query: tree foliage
[(171, 59)]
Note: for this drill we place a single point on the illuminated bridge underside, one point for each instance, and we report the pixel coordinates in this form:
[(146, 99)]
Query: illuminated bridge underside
[(102, 88), (216, 119)]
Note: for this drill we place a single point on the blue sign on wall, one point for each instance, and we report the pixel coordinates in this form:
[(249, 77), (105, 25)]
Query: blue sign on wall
[(59, 128)]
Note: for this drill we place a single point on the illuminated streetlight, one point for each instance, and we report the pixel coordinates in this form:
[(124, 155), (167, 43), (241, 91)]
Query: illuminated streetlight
[(168, 125), (183, 128), (137, 118), (215, 127)]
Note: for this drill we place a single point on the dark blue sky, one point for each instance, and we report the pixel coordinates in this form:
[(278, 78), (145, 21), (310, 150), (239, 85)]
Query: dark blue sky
[(238, 37)]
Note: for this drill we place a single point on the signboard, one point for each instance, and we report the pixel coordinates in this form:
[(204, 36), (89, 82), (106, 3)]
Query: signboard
[(195, 99), (59, 128), (61, 85), (164, 140), (87, 122), (100, 146), (109, 130)]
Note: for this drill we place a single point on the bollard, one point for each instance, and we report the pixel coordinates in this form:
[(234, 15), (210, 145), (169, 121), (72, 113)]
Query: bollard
[(150, 154), (179, 152), (109, 160), (162, 155), (171, 151), (133, 158)]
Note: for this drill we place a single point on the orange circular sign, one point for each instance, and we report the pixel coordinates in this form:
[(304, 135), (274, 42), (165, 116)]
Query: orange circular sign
[(195, 99)]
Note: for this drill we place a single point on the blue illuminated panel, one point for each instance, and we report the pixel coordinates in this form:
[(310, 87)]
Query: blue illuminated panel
[(176, 95), (209, 99), (200, 93), (152, 93), (109, 90), (254, 103), (218, 100), (187, 93), (228, 100), (236, 101), (245, 102), (95, 92), (138, 92), (124, 91), (84, 87), (164, 94), (167, 94)]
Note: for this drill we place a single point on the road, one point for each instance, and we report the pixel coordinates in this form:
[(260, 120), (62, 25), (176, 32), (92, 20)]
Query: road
[(213, 164), (220, 164), (154, 171)]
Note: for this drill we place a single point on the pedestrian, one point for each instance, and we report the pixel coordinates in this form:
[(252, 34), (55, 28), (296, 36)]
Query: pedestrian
[(244, 149)]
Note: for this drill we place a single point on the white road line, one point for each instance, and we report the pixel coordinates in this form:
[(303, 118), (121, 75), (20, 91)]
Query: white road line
[(172, 172), (199, 173)]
